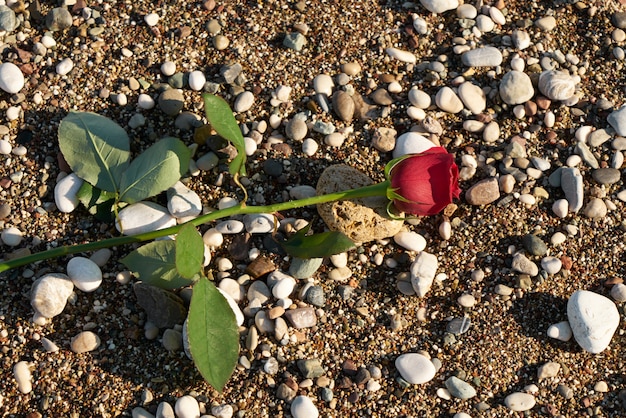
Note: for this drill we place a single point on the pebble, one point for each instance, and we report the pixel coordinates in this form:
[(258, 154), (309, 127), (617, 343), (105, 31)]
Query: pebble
[(58, 18), (172, 340), (343, 105), (551, 265), (606, 176), (244, 102), (572, 185), (458, 326), (546, 23), (466, 11), (556, 85), (410, 240), (593, 319), (296, 129), (8, 20), (618, 292), (284, 287), (84, 273), (439, 6), (11, 78), (165, 410), (459, 388), (519, 401), (595, 209), (143, 217), (560, 331), (151, 19), (222, 411), (139, 412), (323, 84), (301, 318), (5, 147), (617, 119), (187, 407), (145, 101), (419, 98), (487, 56), (11, 236), (303, 407), (23, 377), (415, 368), (171, 101), (423, 271), (259, 223), (483, 192), (516, 88), (49, 294), (491, 132), (183, 202), (448, 101), (466, 300), (230, 227), (473, 97), (547, 370), (411, 143), (522, 264), (85, 342), (336, 139), (401, 55), (315, 296), (196, 80), (168, 68), (384, 139), (295, 41), (64, 66), (309, 147), (303, 268), (49, 346), (534, 245)]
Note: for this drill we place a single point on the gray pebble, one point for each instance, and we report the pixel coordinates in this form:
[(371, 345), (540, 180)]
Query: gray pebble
[(303, 268), (285, 393), (8, 20), (487, 56), (171, 101), (572, 185), (315, 296), (295, 41), (301, 317), (459, 388), (310, 368), (272, 167), (459, 325), (177, 80), (58, 18), (326, 394), (606, 176), (534, 245), (565, 391), (296, 129), (172, 340), (598, 137), (231, 72), (585, 153), (324, 128)]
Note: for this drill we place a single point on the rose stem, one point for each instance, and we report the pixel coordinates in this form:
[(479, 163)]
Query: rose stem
[(379, 189)]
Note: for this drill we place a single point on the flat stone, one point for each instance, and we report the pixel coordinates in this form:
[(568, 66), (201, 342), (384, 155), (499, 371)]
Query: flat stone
[(523, 265), (519, 401), (606, 176), (516, 88), (617, 120), (410, 240), (401, 55), (384, 139), (415, 368), (163, 308), (593, 319), (301, 317), (598, 137), (459, 388), (439, 6), (572, 185), (484, 192), (585, 153), (58, 18), (423, 271), (556, 85), (84, 273), (49, 294), (143, 217), (303, 268), (259, 223), (84, 342), (486, 56), (362, 220)]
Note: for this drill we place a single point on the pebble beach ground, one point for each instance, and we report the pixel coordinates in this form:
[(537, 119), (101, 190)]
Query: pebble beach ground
[(526, 95)]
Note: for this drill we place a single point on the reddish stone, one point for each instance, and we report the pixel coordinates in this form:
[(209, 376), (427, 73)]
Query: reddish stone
[(566, 262)]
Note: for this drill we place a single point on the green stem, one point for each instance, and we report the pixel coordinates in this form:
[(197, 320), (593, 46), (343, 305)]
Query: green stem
[(379, 189)]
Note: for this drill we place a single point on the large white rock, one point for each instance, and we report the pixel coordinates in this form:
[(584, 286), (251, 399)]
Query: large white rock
[(303, 407), (411, 143), (65, 193), (143, 217), (183, 202), (439, 6), (84, 273), (49, 294), (423, 272), (415, 368), (593, 319), (11, 78)]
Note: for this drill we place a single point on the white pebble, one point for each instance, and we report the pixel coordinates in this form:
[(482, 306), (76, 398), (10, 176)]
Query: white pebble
[(5, 147), (151, 19), (466, 300), (410, 240), (551, 265), (11, 236), (13, 112), (309, 147), (168, 68), (401, 55), (323, 84), (303, 407), (213, 238), (415, 368), (196, 80), (557, 238), (244, 102), (65, 66), (618, 292), (23, 377), (339, 260), (11, 78), (187, 407), (335, 139), (145, 102), (560, 208), (560, 331), (84, 273)]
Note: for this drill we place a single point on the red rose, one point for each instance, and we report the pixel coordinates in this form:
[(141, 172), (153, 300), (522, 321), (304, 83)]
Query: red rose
[(424, 184)]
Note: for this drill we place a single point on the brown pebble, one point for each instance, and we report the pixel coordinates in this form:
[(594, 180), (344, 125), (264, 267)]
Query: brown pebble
[(275, 312), (483, 192), (343, 105), (566, 262), (349, 367), (5, 210), (381, 97), (260, 266), (543, 102), (531, 108)]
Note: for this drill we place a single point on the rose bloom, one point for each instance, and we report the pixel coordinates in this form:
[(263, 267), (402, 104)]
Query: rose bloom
[(424, 184)]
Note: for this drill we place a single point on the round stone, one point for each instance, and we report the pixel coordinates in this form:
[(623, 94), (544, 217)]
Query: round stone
[(484, 192), (11, 236), (11, 78), (410, 240), (618, 292), (65, 193), (551, 265), (447, 100), (244, 102), (49, 294), (296, 129), (519, 401), (415, 368), (487, 56), (516, 87), (411, 143), (64, 66), (58, 18), (439, 6), (84, 273), (84, 342), (606, 176), (196, 80), (557, 85), (187, 407), (303, 407), (8, 20), (171, 101)]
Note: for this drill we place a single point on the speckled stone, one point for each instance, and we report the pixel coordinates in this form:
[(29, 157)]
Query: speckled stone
[(362, 220), (556, 85), (484, 192)]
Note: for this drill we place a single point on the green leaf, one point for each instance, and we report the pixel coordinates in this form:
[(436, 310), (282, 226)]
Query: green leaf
[(155, 264), (213, 334), (319, 245), (96, 148), (156, 169), (98, 202), (189, 251), (221, 118)]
